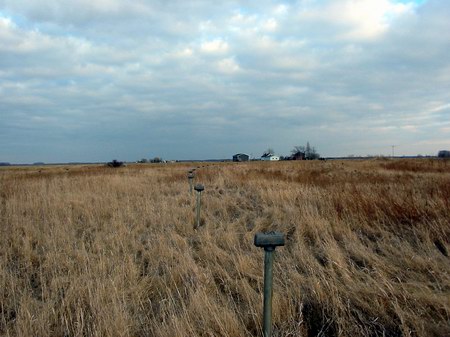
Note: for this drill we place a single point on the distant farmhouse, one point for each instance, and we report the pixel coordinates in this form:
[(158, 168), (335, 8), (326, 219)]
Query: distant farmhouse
[(269, 157), (241, 157), (299, 155), (444, 154)]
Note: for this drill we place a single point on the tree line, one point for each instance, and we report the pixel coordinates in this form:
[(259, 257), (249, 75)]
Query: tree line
[(307, 152)]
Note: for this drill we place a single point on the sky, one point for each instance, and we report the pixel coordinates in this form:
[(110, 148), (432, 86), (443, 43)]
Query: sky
[(95, 80)]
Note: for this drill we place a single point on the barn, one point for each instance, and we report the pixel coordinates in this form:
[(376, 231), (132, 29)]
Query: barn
[(297, 156), (444, 154), (241, 157)]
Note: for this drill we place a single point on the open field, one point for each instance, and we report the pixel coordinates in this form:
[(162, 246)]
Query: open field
[(95, 251)]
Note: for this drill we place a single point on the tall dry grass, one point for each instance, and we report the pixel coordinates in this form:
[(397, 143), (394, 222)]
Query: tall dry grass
[(94, 251)]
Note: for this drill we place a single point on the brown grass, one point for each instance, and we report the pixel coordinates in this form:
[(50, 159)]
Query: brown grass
[(94, 251)]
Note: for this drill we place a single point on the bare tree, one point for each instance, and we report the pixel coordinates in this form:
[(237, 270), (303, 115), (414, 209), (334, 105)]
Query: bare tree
[(308, 151), (298, 149), (269, 152), (297, 153)]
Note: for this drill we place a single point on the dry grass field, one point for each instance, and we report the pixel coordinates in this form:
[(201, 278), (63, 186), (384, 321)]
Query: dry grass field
[(96, 251)]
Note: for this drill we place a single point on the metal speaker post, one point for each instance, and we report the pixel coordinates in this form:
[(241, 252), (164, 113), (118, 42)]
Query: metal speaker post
[(190, 178), (268, 241), (199, 188)]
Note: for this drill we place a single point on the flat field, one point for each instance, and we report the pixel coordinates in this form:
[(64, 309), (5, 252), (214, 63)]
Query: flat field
[(96, 251)]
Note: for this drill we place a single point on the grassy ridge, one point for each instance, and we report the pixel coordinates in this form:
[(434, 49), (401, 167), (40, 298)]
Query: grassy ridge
[(94, 251)]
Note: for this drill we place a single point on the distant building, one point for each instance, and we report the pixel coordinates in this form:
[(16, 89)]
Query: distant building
[(241, 157), (444, 154), (269, 157), (297, 156)]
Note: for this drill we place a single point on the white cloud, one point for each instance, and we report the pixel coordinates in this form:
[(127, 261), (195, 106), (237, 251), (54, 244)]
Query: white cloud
[(216, 46), (5, 23), (411, 128), (370, 17), (440, 107), (270, 25), (359, 19), (281, 9), (240, 19), (228, 66), (22, 41), (298, 62), (185, 53)]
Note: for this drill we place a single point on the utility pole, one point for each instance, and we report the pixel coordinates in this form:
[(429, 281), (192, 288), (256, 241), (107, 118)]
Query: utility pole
[(393, 146)]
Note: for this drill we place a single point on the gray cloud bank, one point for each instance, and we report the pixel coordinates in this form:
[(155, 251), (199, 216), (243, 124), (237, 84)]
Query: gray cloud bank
[(96, 80)]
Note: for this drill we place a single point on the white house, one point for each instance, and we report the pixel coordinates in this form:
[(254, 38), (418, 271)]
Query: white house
[(269, 157)]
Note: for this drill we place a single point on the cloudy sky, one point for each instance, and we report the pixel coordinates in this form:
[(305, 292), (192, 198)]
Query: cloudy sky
[(93, 80)]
